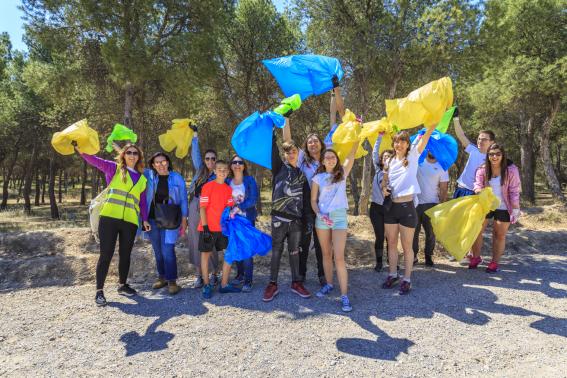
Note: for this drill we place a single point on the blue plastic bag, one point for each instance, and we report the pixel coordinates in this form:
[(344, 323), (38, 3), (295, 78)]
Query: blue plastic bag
[(252, 139), (244, 240), (304, 74), (442, 146)]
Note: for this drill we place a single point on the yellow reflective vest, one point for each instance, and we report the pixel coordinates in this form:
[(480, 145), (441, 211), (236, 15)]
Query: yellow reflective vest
[(123, 198)]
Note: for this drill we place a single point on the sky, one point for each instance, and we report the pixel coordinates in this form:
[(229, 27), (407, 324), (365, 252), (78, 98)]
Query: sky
[(11, 22)]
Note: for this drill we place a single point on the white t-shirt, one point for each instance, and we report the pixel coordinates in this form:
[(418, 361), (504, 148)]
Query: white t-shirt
[(238, 194), (308, 169), (403, 180), (497, 190), (475, 160), (332, 196), (429, 175)]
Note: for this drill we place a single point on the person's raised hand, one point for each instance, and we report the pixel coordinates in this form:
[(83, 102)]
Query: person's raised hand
[(335, 81)]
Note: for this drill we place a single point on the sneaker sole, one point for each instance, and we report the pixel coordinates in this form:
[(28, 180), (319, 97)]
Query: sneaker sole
[(347, 309), (272, 297), (101, 304), (301, 295), (127, 294)]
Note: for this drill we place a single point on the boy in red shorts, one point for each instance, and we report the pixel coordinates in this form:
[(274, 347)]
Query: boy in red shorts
[(215, 197)]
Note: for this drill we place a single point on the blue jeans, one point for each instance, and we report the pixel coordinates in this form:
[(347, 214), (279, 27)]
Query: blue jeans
[(166, 262), (245, 269)]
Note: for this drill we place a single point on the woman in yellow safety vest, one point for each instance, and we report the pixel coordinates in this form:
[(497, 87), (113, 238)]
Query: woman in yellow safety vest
[(120, 213)]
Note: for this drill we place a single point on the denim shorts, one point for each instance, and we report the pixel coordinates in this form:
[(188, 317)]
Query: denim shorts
[(339, 218)]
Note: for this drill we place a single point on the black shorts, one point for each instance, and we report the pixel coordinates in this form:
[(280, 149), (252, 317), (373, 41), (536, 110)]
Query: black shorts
[(401, 213), (217, 243), (499, 215)]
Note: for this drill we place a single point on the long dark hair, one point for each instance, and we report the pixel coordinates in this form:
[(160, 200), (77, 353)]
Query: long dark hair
[(151, 161), (121, 160), (338, 170), (400, 136), (244, 171), (503, 164), (203, 173), (381, 160), (308, 157)]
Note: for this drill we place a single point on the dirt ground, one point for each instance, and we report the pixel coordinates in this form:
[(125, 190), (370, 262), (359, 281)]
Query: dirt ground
[(455, 322)]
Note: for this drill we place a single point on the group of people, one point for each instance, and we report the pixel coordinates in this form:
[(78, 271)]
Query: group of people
[(309, 207)]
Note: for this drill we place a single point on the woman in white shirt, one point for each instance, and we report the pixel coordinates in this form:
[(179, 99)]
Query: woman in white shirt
[(329, 201), (400, 182)]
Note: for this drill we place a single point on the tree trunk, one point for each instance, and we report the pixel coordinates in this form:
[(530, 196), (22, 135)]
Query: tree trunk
[(354, 190), (7, 177), (60, 191), (44, 178), (527, 158), (37, 187), (83, 184), (558, 163), (28, 179), (52, 202), (545, 153), (128, 103)]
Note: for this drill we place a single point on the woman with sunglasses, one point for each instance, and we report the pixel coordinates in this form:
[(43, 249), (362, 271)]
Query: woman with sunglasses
[(204, 173), (503, 177), (165, 186), (245, 195), (120, 213)]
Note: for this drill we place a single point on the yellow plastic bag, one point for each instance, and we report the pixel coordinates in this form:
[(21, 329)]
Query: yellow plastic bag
[(346, 135), (80, 132), (458, 222), (370, 131), (179, 137), (425, 105)]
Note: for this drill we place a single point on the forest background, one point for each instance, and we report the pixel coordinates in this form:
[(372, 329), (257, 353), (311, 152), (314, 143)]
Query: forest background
[(143, 63)]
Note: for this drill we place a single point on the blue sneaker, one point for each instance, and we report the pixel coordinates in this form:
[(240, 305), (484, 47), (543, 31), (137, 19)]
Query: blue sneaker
[(237, 281), (229, 289), (325, 290), (208, 291), (247, 287), (345, 304)]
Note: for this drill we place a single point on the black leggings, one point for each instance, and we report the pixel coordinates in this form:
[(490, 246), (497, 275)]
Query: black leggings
[(280, 232), (109, 229), (423, 219), (309, 230), (376, 215)]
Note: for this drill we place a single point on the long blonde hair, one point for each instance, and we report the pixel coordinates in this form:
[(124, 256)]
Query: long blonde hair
[(121, 161)]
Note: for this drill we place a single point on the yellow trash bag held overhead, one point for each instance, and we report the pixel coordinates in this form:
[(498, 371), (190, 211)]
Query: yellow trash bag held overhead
[(179, 137), (425, 105), (346, 134), (370, 131), (80, 132), (458, 222)]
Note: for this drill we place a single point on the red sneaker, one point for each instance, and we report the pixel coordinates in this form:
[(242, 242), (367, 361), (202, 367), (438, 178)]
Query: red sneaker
[(298, 288), (270, 292), (474, 262), (492, 267)]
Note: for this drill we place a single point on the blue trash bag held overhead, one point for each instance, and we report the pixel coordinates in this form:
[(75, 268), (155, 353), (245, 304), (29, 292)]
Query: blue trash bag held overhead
[(443, 146), (252, 139), (244, 240), (304, 74)]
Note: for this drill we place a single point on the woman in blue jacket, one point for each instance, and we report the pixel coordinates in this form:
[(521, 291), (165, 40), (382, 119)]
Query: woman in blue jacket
[(245, 195), (165, 186)]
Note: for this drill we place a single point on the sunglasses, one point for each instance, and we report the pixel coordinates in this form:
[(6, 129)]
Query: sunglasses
[(162, 163), (237, 162), (495, 154), (210, 158), (134, 153)]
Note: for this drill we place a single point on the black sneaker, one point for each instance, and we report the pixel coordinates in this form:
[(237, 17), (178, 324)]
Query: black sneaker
[(379, 265), (429, 261), (126, 290), (100, 299)]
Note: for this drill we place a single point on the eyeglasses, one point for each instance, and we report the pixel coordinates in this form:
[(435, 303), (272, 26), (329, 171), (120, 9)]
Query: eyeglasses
[(237, 162), (495, 154), (134, 153), (210, 158), (162, 163)]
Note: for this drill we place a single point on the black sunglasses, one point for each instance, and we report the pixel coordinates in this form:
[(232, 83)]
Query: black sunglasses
[(135, 153), (237, 162)]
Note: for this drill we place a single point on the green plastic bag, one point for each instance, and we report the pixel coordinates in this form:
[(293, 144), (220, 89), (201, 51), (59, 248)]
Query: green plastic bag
[(290, 103), (443, 125), (120, 132)]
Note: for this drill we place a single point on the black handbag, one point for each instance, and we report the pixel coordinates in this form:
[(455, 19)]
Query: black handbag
[(167, 216)]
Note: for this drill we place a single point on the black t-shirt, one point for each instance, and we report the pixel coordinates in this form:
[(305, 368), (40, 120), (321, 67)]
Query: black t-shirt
[(161, 195)]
